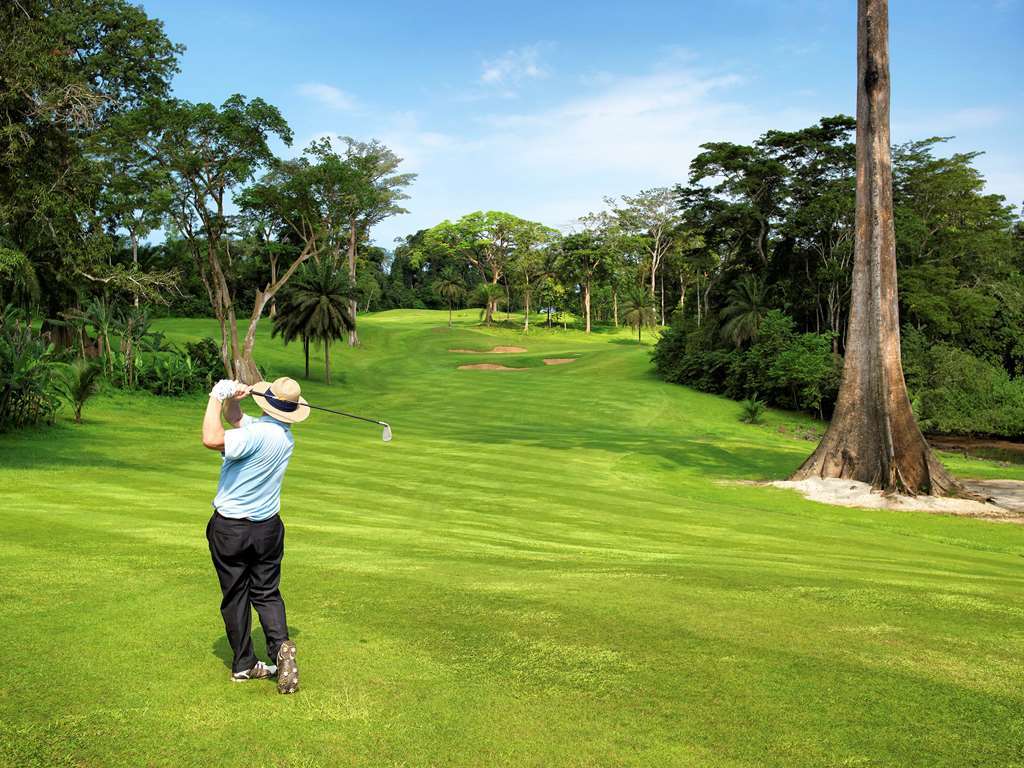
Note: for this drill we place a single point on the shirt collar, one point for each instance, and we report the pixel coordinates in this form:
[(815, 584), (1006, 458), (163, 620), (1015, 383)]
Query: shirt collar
[(271, 420)]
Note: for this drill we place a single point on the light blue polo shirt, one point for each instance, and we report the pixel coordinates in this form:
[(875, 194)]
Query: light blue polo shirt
[(255, 457)]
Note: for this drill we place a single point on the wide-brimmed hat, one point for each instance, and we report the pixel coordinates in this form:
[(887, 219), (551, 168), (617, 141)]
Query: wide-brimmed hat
[(282, 400)]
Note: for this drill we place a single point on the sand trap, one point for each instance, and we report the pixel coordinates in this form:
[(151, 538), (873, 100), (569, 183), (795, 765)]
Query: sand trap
[(495, 351), (558, 360), (488, 367), (850, 493)]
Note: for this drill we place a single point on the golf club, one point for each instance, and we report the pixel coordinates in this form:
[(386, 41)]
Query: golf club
[(387, 427)]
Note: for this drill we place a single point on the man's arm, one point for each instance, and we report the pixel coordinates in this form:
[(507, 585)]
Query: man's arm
[(213, 428)]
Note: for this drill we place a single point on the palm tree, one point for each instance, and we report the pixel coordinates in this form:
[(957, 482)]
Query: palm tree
[(744, 310), (100, 314), (316, 308), (638, 309), (79, 383), (490, 295), (449, 286)]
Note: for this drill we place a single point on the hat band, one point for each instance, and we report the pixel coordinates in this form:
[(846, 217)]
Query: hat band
[(287, 406)]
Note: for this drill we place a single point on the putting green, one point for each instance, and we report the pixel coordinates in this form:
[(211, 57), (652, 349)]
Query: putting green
[(552, 568)]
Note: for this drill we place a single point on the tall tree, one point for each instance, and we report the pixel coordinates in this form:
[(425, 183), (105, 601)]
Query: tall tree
[(652, 216), (585, 256), (368, 190), (315, 308), (67, 68), (449, 286), (873, 436), (639, 310), (209, 153), (531, 261)]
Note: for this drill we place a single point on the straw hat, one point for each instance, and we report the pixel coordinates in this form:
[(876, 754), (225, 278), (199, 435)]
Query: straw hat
[(281, 399)]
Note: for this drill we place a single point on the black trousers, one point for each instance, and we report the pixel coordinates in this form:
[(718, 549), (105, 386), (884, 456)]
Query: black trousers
[(247, 557)]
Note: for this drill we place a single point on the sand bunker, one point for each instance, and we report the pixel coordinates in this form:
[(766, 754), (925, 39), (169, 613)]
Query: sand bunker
[(488, 367), (558, 360), (495, 351), (850, 493)]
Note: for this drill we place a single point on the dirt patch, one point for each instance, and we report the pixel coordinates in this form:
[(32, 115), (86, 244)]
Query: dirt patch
[(1008, 494), (1004, 451), (495, 351), (850, 493), (558, 360), (488, 367)]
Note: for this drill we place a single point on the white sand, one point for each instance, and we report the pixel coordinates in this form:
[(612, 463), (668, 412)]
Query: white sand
[(850, 493)]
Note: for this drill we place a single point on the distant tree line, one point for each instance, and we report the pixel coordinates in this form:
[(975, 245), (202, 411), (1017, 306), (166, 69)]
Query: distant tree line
[(746, 265)]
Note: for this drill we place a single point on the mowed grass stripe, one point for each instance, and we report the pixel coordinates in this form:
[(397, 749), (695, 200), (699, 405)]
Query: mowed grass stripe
[(547, 567)]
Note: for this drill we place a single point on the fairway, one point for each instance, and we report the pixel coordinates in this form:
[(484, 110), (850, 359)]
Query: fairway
[(554, 566)]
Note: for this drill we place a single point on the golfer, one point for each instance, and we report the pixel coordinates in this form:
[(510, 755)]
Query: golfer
[(246, 534)]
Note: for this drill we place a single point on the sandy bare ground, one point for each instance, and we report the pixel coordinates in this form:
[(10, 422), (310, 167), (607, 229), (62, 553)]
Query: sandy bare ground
[(558, 360), (488, 367), (495, 351), (850, 493)]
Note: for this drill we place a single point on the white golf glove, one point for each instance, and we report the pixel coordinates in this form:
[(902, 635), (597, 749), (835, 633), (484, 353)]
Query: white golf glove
[(224, 389)]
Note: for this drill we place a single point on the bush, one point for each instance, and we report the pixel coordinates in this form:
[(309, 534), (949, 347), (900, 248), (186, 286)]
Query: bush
[(27, 373), (955, 392), (791, 370), (753, 410), (206, 362)]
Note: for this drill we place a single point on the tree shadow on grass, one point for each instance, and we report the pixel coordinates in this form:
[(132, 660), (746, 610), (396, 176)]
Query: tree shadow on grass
[(222, 650), (715, 456)]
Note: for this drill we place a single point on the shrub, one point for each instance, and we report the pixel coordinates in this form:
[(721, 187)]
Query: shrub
[(206, 362), (955, 392), (78, 384), (752, 410), (26, 373)]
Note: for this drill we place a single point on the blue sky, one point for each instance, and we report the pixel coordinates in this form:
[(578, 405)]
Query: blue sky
[(544, 108)]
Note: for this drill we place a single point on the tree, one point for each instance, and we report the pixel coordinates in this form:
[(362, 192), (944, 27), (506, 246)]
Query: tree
[(208, 152), (449, 286), (531, 260), (135, 191), (316, 309), (368, 191), (652, 216), (490, 295), (745, 310), (586, 256), (67, 68), (639, 310), (873, 436)]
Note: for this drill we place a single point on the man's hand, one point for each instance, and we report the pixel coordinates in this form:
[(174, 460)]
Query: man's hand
[(232, 409), (224, 400)]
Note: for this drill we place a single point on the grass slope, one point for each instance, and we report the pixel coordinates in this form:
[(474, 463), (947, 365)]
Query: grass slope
[(545, 568)]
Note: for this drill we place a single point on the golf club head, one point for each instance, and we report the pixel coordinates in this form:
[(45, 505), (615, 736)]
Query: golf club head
[(387, 433)]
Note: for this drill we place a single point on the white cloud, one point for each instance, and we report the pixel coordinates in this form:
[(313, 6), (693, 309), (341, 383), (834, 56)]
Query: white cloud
[(553, 165), (515, 66), (328, 95)]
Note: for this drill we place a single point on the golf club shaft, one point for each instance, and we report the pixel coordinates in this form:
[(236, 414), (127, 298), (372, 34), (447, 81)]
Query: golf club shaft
[(330, 410)]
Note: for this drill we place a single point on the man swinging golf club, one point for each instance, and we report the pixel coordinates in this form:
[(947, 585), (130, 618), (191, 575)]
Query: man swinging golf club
[(246, 534)]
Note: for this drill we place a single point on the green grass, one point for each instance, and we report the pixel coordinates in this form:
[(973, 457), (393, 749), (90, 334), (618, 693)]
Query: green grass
[(545, 568)]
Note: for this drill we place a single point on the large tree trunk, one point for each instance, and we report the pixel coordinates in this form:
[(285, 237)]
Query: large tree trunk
[(615, 306), (873, 436), (327, 360), (305, 351)]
